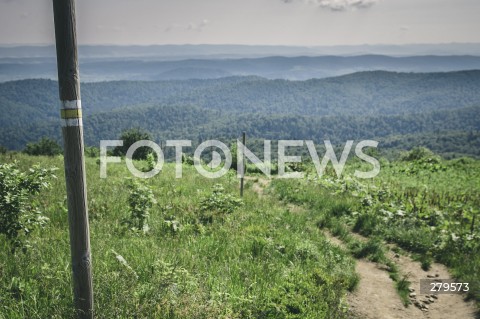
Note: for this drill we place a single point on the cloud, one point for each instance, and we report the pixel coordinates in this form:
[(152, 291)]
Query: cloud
[(198, 26), (192, 26), (343, 5), (340, 5)]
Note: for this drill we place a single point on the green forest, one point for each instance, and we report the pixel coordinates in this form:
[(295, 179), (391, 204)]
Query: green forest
[(400, 110)]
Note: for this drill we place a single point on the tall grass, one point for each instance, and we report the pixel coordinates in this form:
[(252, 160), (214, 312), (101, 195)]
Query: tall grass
[(259, 260)]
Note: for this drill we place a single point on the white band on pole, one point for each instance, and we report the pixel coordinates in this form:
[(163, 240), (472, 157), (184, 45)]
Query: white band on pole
[(73, 104), (72, 122), (71, 113)]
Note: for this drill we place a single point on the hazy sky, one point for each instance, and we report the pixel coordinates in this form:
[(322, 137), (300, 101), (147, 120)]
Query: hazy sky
[(287, 22)]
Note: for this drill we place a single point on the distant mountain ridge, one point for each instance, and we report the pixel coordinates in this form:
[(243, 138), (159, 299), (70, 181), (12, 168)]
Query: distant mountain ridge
[(379, 105), (208, 67), (188, 51)]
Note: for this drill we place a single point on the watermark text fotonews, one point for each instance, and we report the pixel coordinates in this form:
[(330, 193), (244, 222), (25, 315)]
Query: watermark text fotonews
[(220, 165)]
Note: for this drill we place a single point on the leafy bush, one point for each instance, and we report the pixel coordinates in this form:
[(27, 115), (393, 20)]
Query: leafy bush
[(92, 151), (151, 162), (187, 159), (140, 201), (18, 214), (218, 204), (3, 150), (45, 146), (129, 137)]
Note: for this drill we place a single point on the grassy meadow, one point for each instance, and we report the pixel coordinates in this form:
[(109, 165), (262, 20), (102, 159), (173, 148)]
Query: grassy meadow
[(207, 254), (191, 248)]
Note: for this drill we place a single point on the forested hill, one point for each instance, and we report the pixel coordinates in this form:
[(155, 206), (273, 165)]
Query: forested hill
[(442, 107)]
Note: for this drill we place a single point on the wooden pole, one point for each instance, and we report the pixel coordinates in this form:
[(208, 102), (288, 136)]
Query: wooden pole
[(72, 129), (243, 164), (472, 227), (211, 155)]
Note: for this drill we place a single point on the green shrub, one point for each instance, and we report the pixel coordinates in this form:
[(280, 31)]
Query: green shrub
[(151, 162), (188, 160), (92, 151), (19, 215), (218, 204), (129, 137), (140, 201), (45, 146)]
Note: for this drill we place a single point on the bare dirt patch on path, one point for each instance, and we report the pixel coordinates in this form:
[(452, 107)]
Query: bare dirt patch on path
[(377, 298), (443, 306)]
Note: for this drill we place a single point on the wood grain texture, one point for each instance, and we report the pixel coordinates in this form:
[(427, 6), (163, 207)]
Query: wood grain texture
[(66, 44), (75, 175), (243, 164)]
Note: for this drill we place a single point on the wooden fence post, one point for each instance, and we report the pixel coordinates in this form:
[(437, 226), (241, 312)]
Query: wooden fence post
[(72, 129), (243, 164)]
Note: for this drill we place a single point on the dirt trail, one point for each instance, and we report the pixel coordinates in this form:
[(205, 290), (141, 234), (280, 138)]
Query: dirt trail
[(376, 296), (445, 306)]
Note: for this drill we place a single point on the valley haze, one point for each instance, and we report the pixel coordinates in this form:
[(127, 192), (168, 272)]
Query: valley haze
[(167, 62)]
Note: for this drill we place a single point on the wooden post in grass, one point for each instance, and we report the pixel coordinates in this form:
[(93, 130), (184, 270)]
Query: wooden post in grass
[(243, 164), (72, 129), (211, 154), (472, 227)]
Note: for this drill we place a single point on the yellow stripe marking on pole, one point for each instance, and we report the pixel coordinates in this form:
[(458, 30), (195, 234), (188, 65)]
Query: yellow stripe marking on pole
[(71, 113)]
